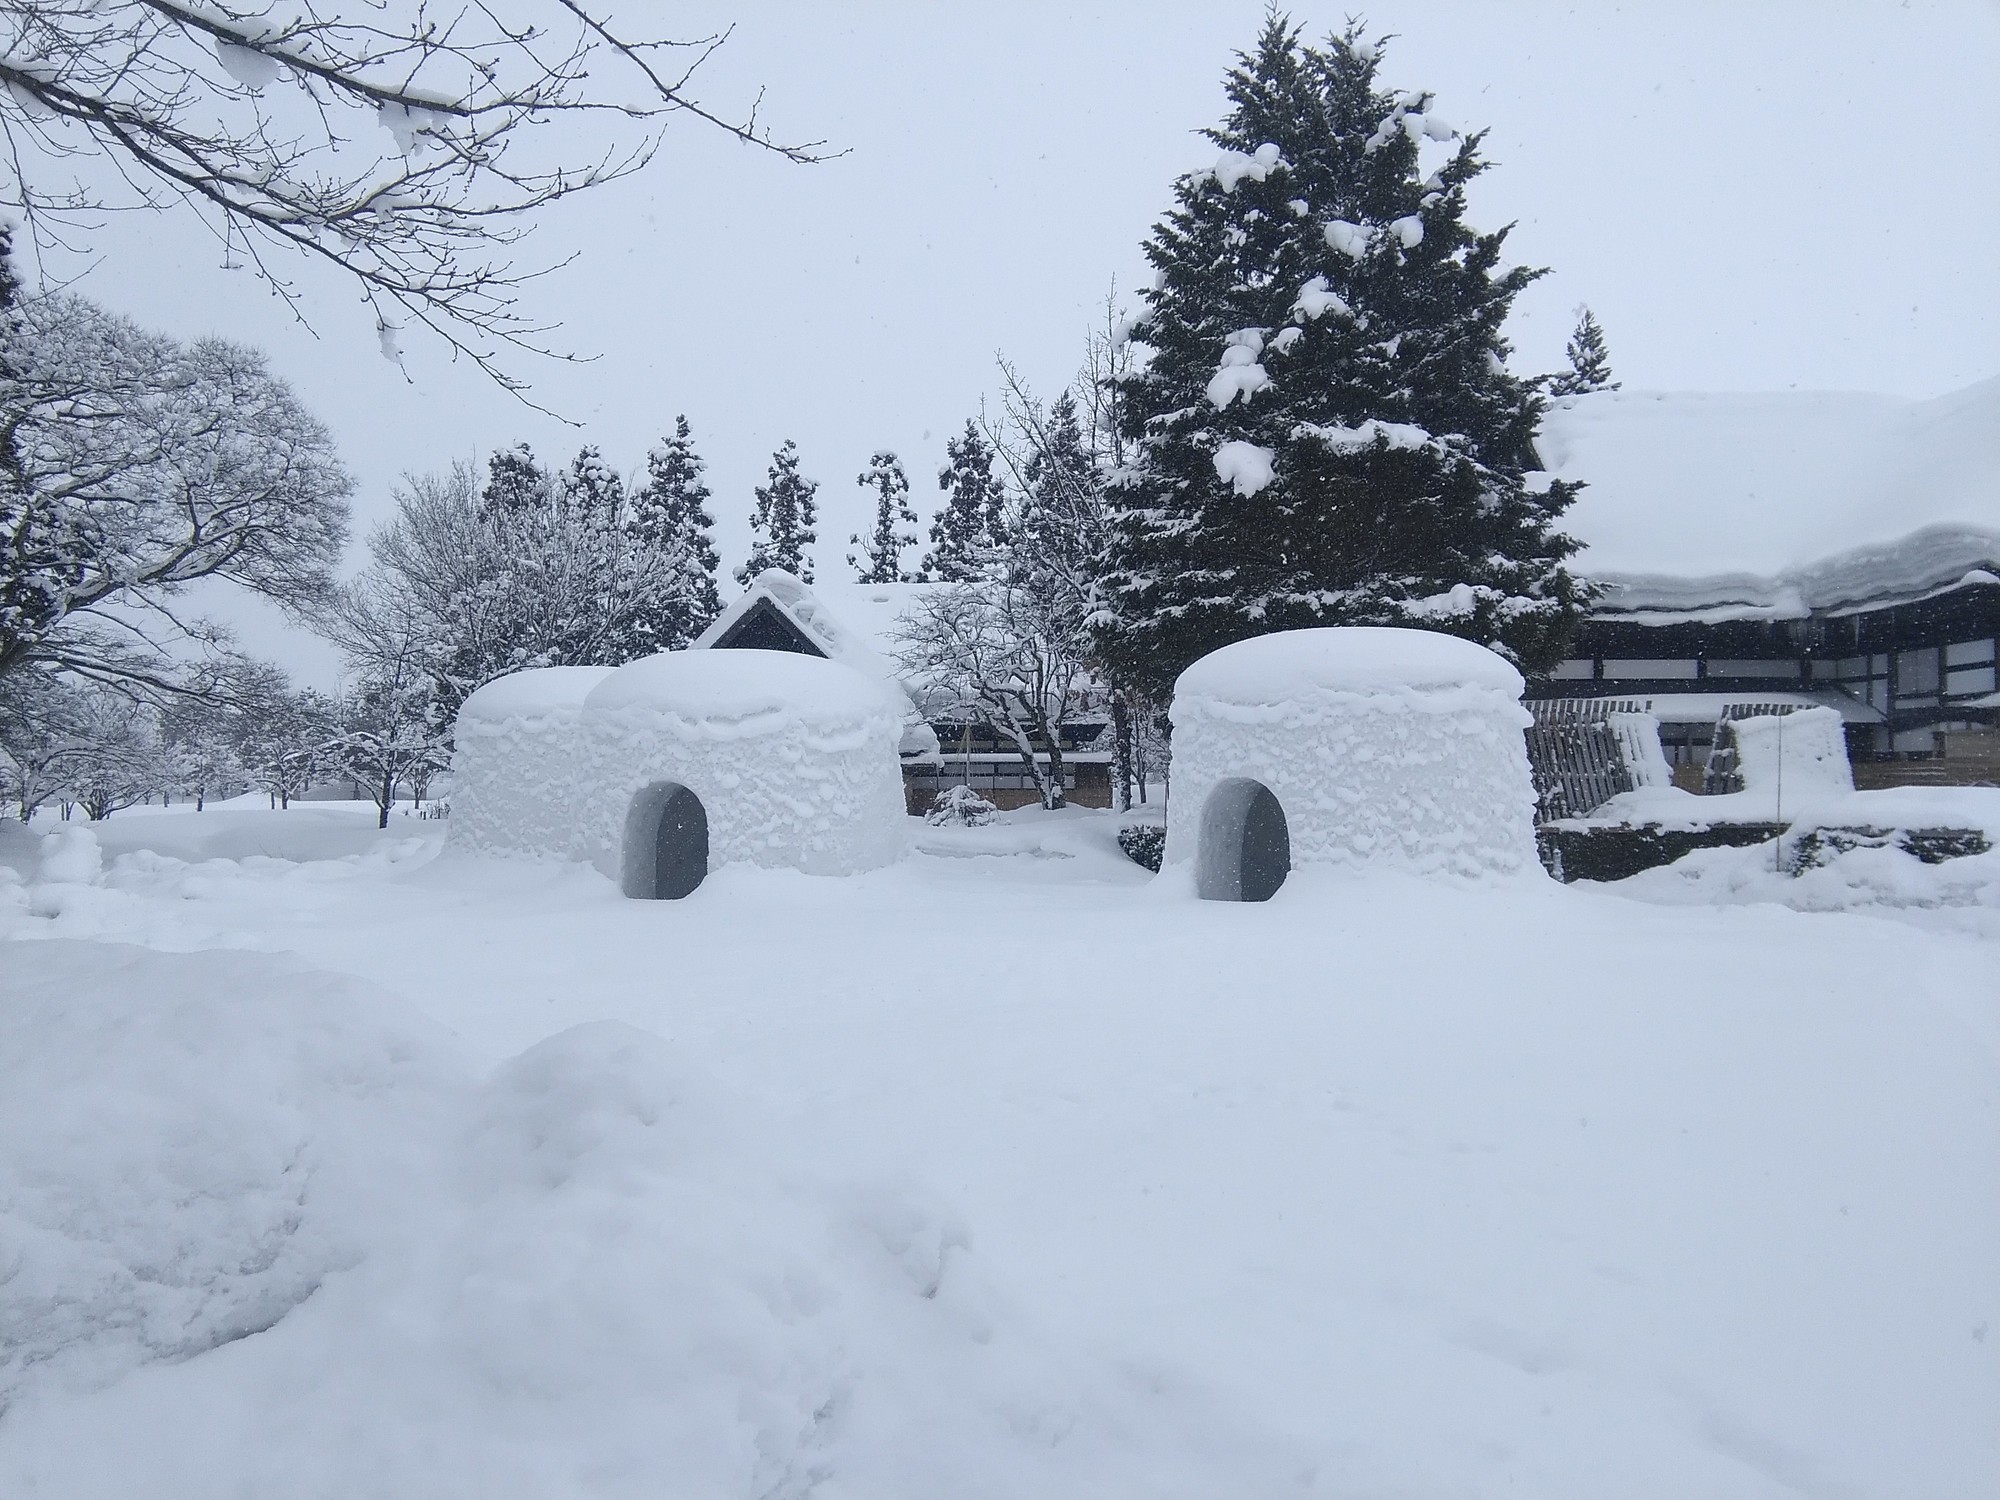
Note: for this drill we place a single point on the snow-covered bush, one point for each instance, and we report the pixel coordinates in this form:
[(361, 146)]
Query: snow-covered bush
[(960, 807), (1383, 747), (1144, 843)]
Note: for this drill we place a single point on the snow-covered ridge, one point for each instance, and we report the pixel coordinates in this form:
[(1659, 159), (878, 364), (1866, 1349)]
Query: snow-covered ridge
[(1772, 504)]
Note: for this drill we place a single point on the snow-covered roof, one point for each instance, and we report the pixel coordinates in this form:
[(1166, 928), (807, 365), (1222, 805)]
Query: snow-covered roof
[(852, 623), (1770, 505), (1295, 665)]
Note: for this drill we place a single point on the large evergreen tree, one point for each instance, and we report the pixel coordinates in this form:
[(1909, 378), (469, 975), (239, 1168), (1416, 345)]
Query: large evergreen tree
[(965, 531), (781, 526), (881, 558), (1589, 361), (670, 513), (591, 488), (514, 481), (1326, 431)]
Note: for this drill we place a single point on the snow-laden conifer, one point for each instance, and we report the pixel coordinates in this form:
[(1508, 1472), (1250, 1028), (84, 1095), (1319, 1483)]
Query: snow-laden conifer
[(966, 530), (670, 514), (1325, 430), (782, 525), (894, 532), (1589, 360)]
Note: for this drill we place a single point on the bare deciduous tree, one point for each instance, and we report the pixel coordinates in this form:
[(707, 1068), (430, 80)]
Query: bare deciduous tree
[(406, 146)]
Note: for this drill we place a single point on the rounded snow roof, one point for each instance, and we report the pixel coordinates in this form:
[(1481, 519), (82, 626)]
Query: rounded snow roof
[(530, 694), (1295, 664), (737, 687)]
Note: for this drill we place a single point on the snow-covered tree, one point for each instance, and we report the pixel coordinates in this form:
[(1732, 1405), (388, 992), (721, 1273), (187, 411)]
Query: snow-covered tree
[(44, 736), (782, 524), (284, 739), (881, 559), (386, 739), (967, 529), (133, 465), (515, 481), (1324, 430), (407, 149), (998, 654), (199, 747), (1589, 360), (124, 762), (468, 593), (669, 514), (592, 490)]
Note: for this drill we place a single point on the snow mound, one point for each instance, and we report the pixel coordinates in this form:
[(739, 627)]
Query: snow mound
[(1800, 755), (1382, 746), (595, 1272), (515, 787), (188, 1138), (793, 757)]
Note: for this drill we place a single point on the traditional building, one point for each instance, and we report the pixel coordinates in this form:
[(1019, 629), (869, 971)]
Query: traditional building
[(1769, 551), (858, 624)]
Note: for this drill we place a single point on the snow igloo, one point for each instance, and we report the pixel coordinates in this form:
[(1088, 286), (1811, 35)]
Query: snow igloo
[(674, 765), (1353, 747)]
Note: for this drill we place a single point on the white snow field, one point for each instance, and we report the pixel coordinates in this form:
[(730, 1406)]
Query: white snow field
[(335, 1165)]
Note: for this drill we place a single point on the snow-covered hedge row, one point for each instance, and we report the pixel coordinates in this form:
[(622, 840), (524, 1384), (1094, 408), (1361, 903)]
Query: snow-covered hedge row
[(1383, 747)]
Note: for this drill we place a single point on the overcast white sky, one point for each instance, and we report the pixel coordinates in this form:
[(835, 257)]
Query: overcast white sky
[(1751, 196)]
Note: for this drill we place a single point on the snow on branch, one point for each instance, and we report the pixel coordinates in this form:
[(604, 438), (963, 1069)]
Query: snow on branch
[(409, 150)]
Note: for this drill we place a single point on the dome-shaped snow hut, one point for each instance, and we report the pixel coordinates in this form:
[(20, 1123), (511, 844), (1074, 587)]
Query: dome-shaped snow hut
[(515, 788), (1347, 747), (696, 759)]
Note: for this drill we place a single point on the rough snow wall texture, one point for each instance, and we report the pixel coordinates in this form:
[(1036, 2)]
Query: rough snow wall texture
[(516, 788), (1812, 746), (807, 781), (1430, 777)]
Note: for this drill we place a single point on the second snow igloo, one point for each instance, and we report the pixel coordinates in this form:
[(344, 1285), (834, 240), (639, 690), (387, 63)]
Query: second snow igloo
[(697, 759), (1355, 747)]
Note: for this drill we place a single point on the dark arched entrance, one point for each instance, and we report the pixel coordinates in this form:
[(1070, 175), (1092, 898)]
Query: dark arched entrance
[(1246, 850), (666, 843)]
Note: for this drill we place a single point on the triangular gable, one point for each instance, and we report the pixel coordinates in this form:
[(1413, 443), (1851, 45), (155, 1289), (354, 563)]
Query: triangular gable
[(764, 627)]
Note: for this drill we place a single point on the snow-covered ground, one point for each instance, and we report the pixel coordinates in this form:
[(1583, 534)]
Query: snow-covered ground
[(334, 1165)]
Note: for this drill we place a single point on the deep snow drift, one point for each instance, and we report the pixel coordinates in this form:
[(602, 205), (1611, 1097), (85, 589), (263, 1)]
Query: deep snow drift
[(999, 1171)]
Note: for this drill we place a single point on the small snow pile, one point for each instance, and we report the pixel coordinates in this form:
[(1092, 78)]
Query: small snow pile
[(960, 807), (1350, 240), (71, 856), (516, 784), (1231, 167), (1799, 755), (1317, 298), (1409, 230), (1245, 467), (1370, 432), (1384, 747), (1239, 374), (794, 757)]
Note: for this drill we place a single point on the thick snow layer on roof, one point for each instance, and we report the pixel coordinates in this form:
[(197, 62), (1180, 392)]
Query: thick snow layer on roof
[(852, 623), (1767, 504), (531, 694), (747, 691), (1297, 664)]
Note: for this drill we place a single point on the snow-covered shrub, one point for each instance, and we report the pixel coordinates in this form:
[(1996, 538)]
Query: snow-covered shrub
[(1383, 747), (1144, 843), (960, 807)]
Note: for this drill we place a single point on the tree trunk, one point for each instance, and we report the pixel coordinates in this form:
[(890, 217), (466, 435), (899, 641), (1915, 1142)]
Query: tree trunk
[(388, 796), (1121, 751)]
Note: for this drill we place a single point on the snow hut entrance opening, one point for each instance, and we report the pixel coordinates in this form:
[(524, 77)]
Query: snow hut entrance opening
[(1246, 849), (666, 843)]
